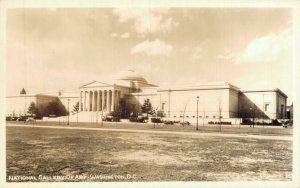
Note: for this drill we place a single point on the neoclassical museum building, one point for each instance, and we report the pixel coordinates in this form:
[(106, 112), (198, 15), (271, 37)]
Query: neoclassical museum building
[(212, 101)]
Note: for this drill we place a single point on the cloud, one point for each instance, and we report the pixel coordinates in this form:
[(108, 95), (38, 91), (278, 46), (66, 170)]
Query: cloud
[(125, 35), (146, 20), (113, 35), (226, 54), (152, 48), (267, 49), (270, 60), (197, 52)]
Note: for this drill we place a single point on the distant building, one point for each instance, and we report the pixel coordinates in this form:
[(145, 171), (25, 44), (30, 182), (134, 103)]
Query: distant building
[(18, 105), (289, 112), (215, 100)]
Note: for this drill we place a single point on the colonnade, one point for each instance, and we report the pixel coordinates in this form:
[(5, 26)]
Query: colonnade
[(99, 100)]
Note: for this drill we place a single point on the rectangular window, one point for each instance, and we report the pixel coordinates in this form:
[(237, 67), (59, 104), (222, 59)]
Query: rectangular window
[(133, 106), (281, 109), (267, 107), (163, 106), (207, 116)]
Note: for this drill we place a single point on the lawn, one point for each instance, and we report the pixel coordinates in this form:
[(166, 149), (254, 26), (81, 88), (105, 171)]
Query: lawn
[(77, 155)]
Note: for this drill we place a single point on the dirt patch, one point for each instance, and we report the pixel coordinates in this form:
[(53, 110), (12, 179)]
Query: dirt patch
[(150, 157), (147, 157)]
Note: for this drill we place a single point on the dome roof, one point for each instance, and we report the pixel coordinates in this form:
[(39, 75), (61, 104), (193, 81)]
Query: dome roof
[(130, 75)]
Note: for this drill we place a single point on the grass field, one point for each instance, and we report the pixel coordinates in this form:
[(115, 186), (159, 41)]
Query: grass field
[(79, 155)]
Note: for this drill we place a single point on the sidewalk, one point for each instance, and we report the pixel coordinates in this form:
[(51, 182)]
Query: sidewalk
[(197, 134)]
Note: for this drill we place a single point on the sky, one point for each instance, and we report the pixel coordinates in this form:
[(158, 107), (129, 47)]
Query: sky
[(54, 49)]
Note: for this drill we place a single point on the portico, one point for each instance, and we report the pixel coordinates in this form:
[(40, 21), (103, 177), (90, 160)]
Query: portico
[(98, 97)]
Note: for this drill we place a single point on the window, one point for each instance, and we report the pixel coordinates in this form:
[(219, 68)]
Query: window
[(214, 116), (133, 106), (267, 107), (193, 116), (163, 106), (186, 116), (281, 108), (200, 116), (175, 116), (207, 116)]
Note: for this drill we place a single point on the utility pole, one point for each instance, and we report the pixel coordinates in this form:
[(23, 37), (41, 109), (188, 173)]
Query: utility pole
[(68, 111), (197, 111)]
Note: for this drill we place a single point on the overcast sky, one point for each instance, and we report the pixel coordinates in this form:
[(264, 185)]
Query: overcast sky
[(52, 49)]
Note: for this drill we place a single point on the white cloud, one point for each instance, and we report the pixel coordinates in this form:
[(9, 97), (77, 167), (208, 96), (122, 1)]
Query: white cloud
[(226, 54), (125, 35), (197, 52), (113, 35), (267, 49), (147, 20), (152, 48), (271, 63)]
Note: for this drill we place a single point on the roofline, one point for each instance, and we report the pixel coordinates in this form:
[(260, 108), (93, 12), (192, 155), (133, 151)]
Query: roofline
[(265, 90), (31, 95), (202, 87)]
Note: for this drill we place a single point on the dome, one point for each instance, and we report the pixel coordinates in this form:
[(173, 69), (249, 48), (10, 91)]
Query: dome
[(130, 75)]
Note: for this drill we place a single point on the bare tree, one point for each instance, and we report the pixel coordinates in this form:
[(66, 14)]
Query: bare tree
[(220, 112)]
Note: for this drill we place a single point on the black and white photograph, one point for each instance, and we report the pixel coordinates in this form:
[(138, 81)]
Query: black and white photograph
[(99, 94)]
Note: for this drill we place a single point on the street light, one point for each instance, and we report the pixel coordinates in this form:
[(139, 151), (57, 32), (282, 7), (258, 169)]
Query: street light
[(68, 111), (197, 111), (253, 114)]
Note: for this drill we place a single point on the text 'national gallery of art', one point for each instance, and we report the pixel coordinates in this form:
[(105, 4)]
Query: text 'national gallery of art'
[(129, 90)]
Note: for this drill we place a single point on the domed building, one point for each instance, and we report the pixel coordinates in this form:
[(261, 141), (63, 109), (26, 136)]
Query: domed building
[(132, 80), (105, 97), (219, 101), (205, 102)]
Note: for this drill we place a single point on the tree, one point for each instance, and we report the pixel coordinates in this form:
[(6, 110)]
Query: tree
[(76, 107), (220, 112), (32, 109), (23, 91), (160, 113), (123, 109), (147, 107), (55, 108)]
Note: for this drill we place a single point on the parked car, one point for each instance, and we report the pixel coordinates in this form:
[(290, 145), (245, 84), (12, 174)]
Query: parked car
[(288, 123), (30, 119), (185, 123), (111, 118), (168, 122), (156, 120), (141, 119), (22, 118)]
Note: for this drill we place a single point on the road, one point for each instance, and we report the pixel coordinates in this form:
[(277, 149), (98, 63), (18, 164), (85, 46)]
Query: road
[(197, 134)]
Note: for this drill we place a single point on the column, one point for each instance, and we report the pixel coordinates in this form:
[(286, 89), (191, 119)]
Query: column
[(93, 101), (84, 102), (90, 101), (102, 100), (113, 100), (107, 101), (98, 101)]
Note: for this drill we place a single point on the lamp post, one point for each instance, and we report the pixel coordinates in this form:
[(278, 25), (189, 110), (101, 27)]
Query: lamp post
[(68, 111), (252, 113), (197, 111)]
